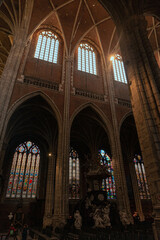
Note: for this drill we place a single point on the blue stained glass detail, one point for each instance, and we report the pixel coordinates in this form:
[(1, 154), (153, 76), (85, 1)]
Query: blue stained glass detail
[(34, 150), (21, 149), (23, 171), (108, 184)]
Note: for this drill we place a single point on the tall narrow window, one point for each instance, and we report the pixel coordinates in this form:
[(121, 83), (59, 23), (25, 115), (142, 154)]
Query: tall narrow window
[(108, 184), (86, 59), (24, 171), (47, 47), (74, 175), (118, 69), (141, 177)]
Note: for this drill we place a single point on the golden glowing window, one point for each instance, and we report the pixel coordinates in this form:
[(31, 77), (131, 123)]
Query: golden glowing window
[(118, 69), (47, 47), (86, 59)]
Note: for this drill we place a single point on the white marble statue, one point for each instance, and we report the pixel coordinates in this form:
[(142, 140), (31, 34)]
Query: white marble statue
[(124, 218), (98, 220), (78, 220), (106, 219)]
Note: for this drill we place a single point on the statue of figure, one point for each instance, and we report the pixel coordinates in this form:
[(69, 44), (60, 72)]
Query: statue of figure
[(98, 221), (78, 220), (87, 203), (106, 219), (124, 218)]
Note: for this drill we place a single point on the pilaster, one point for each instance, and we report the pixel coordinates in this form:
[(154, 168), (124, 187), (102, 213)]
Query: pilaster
[(117, 159), (61, 208), (47, 220), (10, 71), (144, 83)]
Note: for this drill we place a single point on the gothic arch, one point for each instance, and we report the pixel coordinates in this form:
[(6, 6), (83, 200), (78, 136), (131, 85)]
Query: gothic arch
[(21, 100), (130, 113), (107, 125)]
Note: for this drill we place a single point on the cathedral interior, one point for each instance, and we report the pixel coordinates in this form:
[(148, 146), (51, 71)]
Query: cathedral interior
[(79, 108)]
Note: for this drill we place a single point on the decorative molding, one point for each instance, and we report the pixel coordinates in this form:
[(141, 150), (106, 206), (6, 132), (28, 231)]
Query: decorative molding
[(40, 83), (123, 102), (87, 94)]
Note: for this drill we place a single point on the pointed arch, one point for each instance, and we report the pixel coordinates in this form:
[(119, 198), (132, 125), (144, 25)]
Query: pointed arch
[(130, 113), (107, 125), (26, 97)]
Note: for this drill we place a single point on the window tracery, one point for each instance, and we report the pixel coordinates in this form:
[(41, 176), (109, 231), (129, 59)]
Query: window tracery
[(24, 172), (47, 47), (108, 184), (118, 69), (74, 175), (86, 59), (141, 177)]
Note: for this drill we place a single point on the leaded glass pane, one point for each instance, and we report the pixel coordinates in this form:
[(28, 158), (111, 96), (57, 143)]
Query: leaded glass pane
[(86, 59), (141, 177), (108, 184), (24, 171), (47, 47), (74, 175), (118, 69)]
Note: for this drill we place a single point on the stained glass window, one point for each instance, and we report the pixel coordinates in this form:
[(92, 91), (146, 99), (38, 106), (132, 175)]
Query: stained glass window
[(24, 171), (118, 69), (74, 175), (141, 177), (47, 47), (108, 184), (86, 59)]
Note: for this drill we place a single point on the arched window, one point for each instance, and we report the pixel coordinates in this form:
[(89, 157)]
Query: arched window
[(118, 69), (141, 177), (108, 184), (24, 171), (47, 47), (86, 59), (74, 175)]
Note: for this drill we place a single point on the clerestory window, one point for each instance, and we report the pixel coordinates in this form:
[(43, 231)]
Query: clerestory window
[(86, 59), (118, 69), (24, 172), (47, 47)]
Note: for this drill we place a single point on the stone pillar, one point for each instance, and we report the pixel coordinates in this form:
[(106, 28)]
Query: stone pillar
[(117, 159), (144, 83), (135, 189), (61, 207), (10, 71), (47, 220)]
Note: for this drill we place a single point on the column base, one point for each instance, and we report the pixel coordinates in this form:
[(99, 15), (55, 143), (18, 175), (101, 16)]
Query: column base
[(156, 224), (47, 221), (58, 221)]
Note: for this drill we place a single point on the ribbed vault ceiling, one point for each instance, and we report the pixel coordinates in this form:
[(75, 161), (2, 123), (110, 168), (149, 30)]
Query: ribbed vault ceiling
[(75, 19)]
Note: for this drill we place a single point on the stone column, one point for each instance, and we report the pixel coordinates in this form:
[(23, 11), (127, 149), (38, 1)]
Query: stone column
[(61, 207), (117, 159), (10, 71), (47, 220), (135, 189), (144, 83)]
